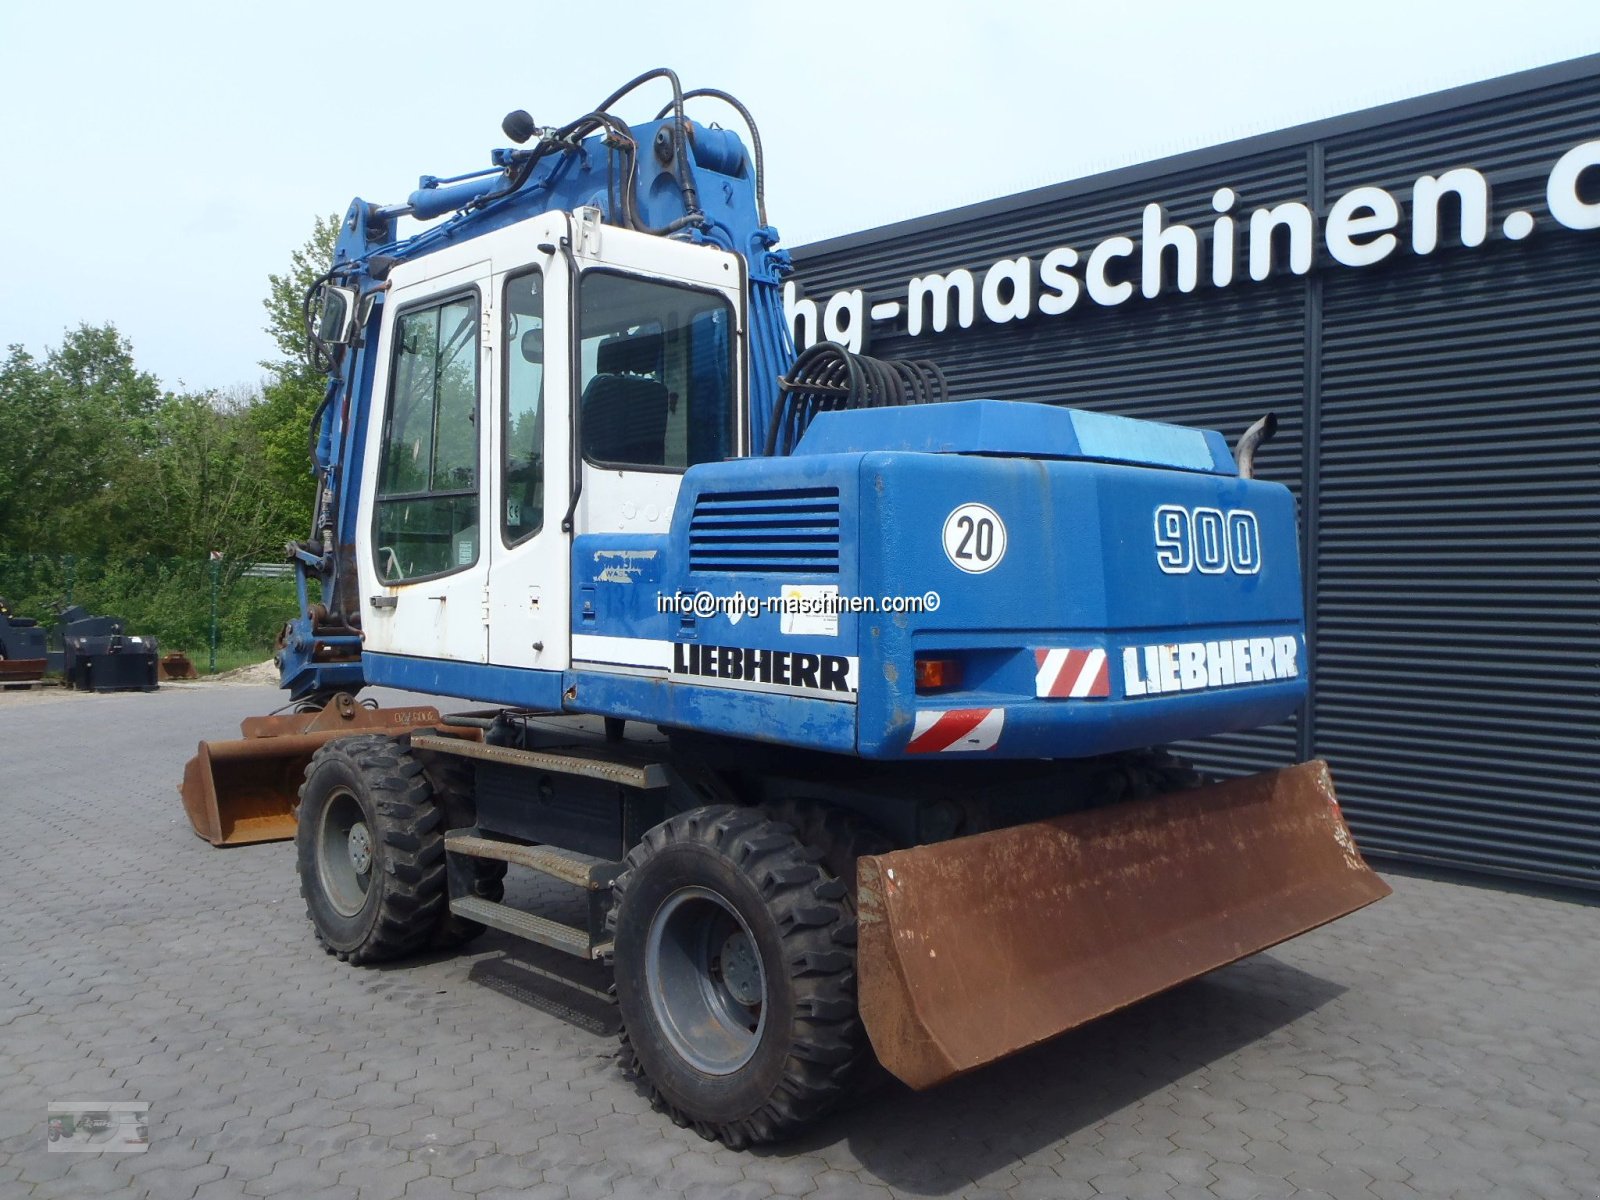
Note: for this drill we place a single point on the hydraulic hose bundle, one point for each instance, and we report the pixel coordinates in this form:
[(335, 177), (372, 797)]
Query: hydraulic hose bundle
[(828, 378)]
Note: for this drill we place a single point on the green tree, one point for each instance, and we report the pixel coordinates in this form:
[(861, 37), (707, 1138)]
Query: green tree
[(286, 297), (31, 430), (289, 398), (76, 427)]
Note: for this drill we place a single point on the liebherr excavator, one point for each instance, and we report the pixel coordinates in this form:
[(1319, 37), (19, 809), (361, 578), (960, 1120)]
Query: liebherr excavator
[(835, 696)]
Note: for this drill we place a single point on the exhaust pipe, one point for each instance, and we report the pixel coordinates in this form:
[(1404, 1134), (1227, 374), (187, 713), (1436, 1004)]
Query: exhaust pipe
[(1250, 440)]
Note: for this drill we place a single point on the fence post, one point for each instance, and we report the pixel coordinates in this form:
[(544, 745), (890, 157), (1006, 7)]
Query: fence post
[(216, 570)]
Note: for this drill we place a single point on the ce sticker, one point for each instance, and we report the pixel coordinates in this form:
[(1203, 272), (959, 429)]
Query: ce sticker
[(975, 538)]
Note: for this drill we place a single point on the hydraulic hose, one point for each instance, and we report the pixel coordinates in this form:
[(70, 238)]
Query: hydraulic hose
[(828, 378), (737, 105)]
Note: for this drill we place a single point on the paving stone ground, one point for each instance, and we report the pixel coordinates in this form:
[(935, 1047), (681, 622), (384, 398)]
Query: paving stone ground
[(1443, 1043)]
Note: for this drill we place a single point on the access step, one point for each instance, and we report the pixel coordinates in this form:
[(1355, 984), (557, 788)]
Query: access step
[(567, 938), (592, 762), (593, 875), (580, 870)]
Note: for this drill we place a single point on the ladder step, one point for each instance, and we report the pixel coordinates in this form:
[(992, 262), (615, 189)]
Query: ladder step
[(566, 938), (592, 763), (578, 870)]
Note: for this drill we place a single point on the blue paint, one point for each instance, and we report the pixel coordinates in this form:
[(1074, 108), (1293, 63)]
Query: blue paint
[(1025, 430), (759, 716), (518, 687), (1122, 439), (1079, 570)]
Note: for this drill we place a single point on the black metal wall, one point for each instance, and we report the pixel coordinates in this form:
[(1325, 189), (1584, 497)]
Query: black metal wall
[(1440, 427)]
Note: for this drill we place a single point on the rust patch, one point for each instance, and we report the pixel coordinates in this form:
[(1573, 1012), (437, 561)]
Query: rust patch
[(979, 947), (246, 790)]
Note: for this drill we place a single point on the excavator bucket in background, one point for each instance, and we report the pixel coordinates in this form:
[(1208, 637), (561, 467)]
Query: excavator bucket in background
[(975, 948), (244, 791)]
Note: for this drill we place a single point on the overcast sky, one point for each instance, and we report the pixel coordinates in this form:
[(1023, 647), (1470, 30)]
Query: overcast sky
[(160, 159)]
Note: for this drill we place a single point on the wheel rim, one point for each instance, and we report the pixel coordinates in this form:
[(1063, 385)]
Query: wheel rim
[(344, 854), (705, 980)]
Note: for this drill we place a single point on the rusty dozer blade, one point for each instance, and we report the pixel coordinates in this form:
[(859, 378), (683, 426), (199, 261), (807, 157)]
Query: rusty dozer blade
[(975, 948), (244, 791)]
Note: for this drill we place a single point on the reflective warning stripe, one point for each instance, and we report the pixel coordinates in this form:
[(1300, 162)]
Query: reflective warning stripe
[(956, 729), (1072, 674)]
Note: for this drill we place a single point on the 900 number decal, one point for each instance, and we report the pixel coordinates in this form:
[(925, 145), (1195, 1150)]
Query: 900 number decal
[(1207, 540)]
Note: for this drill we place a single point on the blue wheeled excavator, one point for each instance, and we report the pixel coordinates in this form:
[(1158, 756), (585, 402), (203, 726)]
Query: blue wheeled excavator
[(836, 697)]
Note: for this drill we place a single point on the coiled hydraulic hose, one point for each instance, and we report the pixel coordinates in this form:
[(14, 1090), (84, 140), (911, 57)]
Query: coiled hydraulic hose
[(828, 378)]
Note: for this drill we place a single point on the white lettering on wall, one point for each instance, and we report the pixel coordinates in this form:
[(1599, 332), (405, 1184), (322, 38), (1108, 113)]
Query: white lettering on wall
[(1471, 190), (1222, 252), (1363, 227), (1566, 205), (1159, 237), (1362, 213), (1008, 290), (1059, 287), (1101, 289), (1264, 222), (845, 319), (936, 290), (801, 316)]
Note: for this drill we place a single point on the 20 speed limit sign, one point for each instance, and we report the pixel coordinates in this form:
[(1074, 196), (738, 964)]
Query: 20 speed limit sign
[(975, 538)]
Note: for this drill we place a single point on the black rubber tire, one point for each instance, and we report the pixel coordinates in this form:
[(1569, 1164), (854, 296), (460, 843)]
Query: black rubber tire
[(1140, 774), (452, 783), (406, 895), (840, 837), (803, 928)]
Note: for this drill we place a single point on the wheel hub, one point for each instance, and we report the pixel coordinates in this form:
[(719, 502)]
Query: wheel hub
[(741, 973), (705, 981), (344, 852), (360, 844)]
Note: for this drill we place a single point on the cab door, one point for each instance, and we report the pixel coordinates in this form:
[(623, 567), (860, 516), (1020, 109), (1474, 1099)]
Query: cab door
[(529, 578), (424, 569)]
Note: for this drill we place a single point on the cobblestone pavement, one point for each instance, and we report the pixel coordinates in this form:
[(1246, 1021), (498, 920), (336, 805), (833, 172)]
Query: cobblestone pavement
[(1443, 1043)]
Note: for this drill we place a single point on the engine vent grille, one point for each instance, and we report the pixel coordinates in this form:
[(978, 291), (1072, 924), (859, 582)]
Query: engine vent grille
[(791, 531)]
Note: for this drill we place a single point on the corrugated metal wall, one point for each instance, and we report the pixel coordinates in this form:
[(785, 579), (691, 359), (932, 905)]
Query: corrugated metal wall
[(1441, 429)]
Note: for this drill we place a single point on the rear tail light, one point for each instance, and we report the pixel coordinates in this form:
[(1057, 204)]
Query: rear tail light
[(937, 674)]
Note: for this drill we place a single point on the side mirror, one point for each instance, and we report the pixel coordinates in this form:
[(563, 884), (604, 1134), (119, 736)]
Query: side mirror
[(336, 320)]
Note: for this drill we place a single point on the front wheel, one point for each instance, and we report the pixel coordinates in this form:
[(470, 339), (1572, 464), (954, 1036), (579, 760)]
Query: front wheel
[(370, 850), (735, 969)]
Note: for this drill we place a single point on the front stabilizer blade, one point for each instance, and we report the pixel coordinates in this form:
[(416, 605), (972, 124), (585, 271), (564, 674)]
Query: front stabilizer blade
[(976, 948), (246, 790)]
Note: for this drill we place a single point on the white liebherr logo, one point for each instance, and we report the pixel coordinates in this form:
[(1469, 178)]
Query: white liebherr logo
[(1193, 666)]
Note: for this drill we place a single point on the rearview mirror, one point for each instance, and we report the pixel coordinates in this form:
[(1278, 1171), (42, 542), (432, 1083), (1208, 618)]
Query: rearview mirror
[(336, 322)]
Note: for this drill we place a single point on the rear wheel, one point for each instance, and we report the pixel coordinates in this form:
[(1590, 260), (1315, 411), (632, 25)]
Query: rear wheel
[(735, 970), (370, 850)]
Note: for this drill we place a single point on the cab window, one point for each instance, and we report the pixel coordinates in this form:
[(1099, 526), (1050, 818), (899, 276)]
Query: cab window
[(522, 431), (427, 495), (656, 373)]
